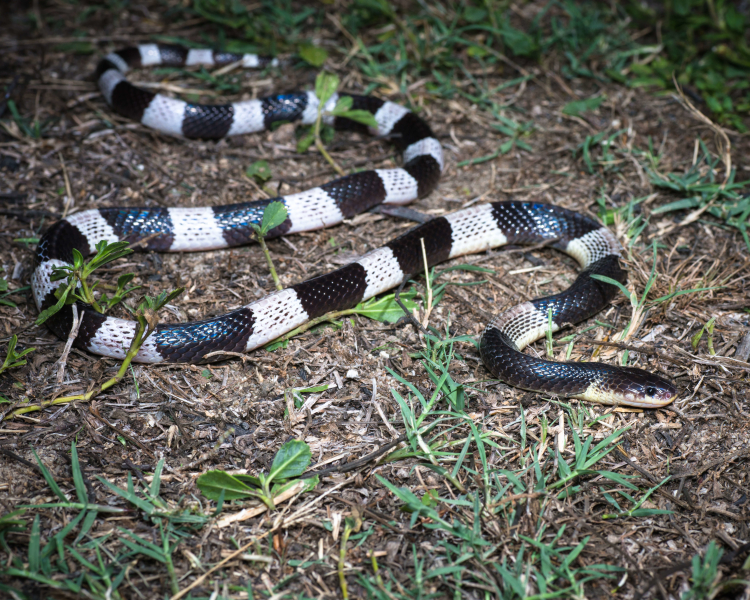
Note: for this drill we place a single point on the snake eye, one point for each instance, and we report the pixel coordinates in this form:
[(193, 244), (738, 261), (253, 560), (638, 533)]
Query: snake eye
[(651, 391)]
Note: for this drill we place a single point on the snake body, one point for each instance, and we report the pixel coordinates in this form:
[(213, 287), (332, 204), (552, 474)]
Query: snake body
[(466, 231)]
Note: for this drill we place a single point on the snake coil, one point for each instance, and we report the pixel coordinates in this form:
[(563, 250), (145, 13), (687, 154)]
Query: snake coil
[(251, 326)]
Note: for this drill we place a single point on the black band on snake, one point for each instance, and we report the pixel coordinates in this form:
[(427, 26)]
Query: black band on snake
[(467, 231)]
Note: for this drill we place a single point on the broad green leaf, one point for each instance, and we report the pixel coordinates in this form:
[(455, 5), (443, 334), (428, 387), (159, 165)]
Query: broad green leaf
[(521, 43), (274, 215), (578, 107), (326, 85), (291, 460), (260, 171), (360, 116), (313, 55), (212, 483), (310, 484), (124, 280), (386, 309), (251, 480), (343, 104), (77, 259)]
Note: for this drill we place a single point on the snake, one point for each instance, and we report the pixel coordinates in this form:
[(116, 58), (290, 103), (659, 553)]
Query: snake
[(473, 229)]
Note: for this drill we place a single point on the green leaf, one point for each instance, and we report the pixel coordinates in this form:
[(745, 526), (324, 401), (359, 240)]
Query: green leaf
[(326, 85), (682, 204), (578, 107), (78, 476), (34, 541), (276, 345), (306, 141), (130, 495), (125, 279), (49, 479), (343, 104), (11, 521), (260, 171), (310, 484), (521, 43), (360, 116), (474, 14), (617, 284), (144, 547), (212, 483), (106, 252), (156, 482), (78, 257), (274, 215), (313, 55), (13, 358), (313, 390), (290, 461), (159, 301), (386, 309), (250, 480)]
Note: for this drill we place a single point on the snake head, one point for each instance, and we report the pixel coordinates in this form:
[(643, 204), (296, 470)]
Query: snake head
[(644, 389)]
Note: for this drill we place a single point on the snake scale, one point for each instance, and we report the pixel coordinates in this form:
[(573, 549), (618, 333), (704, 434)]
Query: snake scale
[(470, 230)]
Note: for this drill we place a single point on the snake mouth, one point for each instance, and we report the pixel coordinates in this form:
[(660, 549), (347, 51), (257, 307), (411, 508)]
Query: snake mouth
[(648, 389), (662, 396)]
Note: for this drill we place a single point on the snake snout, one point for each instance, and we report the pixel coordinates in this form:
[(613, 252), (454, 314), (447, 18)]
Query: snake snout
[(648, 389)]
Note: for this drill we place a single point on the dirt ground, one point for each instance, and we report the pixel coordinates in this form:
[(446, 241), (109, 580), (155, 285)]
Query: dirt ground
[(232, 415)]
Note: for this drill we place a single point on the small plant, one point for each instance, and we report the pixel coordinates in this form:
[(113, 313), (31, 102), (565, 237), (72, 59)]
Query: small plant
[(384, 309), (351, 525), (700, 191), (514, 131), (273, 216), (4, 289), (146, 315), (260, 171), (14, 359), (704, 574), (708, 328), (29, 129), (639, 305), (102, 572), (77, 285), (289, 463), (326, 85)]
